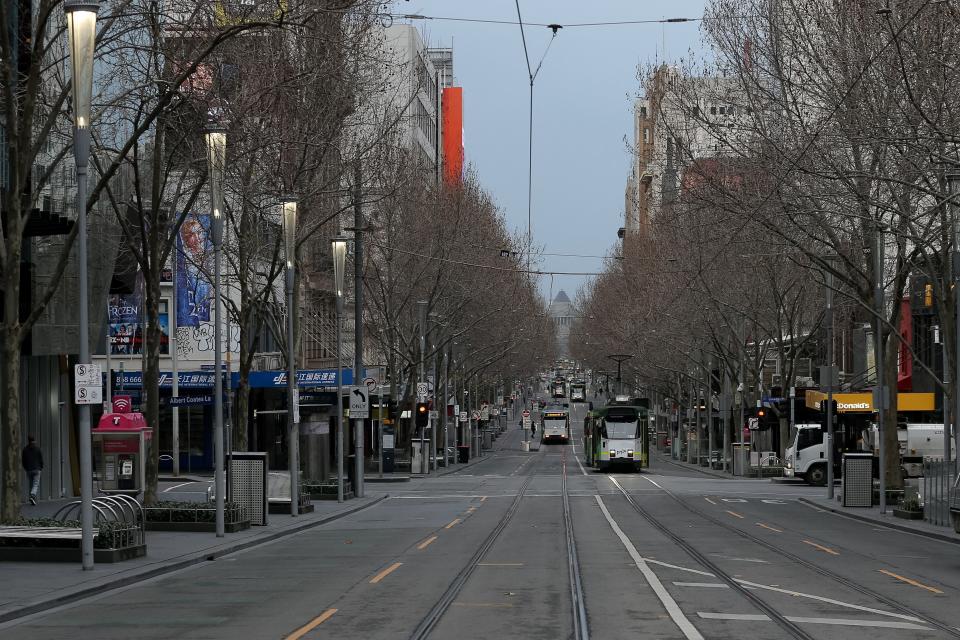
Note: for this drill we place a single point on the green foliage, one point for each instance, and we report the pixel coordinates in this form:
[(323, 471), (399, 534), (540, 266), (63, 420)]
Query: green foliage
[(173, 511), (911, 504), (110, 535)]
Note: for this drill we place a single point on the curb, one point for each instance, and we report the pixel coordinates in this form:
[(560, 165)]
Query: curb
[(691, 467), (175, 565), (883, 523)]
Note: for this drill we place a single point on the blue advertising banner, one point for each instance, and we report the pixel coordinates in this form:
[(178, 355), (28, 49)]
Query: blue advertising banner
[(194, 256), (258, 379)]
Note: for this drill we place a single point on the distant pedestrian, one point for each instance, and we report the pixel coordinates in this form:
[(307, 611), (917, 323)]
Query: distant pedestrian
[(32, 461)]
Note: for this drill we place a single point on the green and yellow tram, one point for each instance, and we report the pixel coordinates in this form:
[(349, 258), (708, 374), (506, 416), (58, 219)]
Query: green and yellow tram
[(617, 435)]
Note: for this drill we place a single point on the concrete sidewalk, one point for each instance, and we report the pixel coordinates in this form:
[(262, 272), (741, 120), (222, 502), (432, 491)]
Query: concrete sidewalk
[(872, 515), (35, 586)]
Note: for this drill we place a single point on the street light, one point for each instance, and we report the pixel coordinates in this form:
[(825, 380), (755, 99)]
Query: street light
[(338, 249), (82, 31), (619, 358), (288, 206), (216, 138)]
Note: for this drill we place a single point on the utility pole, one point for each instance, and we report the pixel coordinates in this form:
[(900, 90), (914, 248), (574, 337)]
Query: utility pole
[(881, 396), (358, 423), (830, 377), (710, 438)]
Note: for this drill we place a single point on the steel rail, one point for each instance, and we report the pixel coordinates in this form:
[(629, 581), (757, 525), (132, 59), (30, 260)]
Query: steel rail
[(430, 621), (790, 627), (581, 629), (847, 582)]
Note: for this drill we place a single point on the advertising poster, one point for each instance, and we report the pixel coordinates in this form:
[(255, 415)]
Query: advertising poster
[(194, 263)]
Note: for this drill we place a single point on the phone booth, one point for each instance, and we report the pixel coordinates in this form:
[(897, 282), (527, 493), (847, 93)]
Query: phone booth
[(121, 444)]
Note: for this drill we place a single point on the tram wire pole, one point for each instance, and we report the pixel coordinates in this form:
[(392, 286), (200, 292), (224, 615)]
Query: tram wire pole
[(830, 381), (882, 397)]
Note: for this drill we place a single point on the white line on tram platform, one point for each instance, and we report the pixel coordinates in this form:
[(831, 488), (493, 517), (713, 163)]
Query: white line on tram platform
[(673, 609)]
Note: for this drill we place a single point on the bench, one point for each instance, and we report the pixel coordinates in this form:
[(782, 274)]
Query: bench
[(46, 533)]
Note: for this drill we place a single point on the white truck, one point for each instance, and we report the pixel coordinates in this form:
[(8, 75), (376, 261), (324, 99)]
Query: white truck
[(806, 457)]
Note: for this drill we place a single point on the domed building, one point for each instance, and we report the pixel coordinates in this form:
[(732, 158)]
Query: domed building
[(561, 310)]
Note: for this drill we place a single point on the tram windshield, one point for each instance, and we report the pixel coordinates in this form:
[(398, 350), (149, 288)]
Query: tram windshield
[(620, 423)]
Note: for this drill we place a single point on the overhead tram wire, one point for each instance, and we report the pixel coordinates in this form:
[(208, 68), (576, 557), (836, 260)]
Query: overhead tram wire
[(611, 23)]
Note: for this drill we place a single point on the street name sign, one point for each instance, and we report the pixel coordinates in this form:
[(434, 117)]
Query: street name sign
[(87, 384)]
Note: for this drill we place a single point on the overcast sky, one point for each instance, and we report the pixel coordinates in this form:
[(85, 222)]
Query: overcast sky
[(583, 99)]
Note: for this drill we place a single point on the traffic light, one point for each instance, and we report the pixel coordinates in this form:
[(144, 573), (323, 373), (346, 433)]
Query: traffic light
[(761, 412), (423, 414)]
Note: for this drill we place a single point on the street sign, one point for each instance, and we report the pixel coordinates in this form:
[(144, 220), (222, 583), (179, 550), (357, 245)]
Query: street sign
[(753, 424), (526, 422), (371, 383), (296, 405), (463, 416), (359, 403), (87, 384), (485, 413), (476, 414), (434, 415), (422, 389)]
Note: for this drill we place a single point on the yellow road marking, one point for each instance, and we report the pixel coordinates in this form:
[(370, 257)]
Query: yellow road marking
[(497, 605), (735, 514), (709, 500), (768, 527), (821, 547), (483, 499), (426, 543), (383, 574), (471, 509), (909, 581), (453, 523), (310, 626)]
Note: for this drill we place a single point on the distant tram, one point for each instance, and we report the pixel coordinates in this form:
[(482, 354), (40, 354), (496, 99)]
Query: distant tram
[(617, 435), (578, 392), (556, 425), (559, 388)]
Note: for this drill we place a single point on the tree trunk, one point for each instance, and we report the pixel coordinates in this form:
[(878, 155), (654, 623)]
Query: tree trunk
[(151, 380), (11, 408), (890, 444)]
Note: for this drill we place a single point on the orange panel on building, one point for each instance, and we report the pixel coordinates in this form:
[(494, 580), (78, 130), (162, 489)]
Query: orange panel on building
[(452, 114)]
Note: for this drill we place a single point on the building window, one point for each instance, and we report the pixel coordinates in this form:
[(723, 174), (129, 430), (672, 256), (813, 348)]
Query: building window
[(722, 110), (713, 111), (643, 112)]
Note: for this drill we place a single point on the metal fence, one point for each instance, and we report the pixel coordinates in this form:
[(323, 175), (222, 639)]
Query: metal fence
[(937, 480)]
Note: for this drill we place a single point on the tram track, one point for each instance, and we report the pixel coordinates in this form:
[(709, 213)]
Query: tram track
[(579, 619), (790, 627), (816, 568)]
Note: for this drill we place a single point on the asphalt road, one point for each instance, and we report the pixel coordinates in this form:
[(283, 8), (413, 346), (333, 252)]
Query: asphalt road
[(485, 553)]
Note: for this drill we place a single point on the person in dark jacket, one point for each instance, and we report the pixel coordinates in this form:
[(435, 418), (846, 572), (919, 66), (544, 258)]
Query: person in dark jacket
[(32, 461)]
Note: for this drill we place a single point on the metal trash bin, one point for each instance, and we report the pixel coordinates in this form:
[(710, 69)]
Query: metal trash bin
[(741, 459), (857, 486), (463, 454), (487, 438)]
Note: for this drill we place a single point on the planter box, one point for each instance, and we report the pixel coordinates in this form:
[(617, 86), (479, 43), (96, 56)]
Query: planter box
[(907, 514), (66, 554), (205, 527), (283, 506)]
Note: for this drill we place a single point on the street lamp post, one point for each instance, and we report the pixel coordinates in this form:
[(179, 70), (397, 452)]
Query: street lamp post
[(216, 138), (339, 253), (289, 211), (82, 31)]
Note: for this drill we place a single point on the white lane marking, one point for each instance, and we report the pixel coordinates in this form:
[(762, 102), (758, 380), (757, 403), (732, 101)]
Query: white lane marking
[(709, 500), (705, 585), (653, 482), (736, 559), (845, 622), (828, 600), (182, 484), (679, 568), (579, 464), (682, 622)]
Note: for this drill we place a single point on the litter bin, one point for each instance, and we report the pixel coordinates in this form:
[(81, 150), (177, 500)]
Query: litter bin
[(487, 439), (741, 459), (857, 480), (463, 453)]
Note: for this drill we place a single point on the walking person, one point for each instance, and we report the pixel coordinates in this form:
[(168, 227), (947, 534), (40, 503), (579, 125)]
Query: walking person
[(32, 461)]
